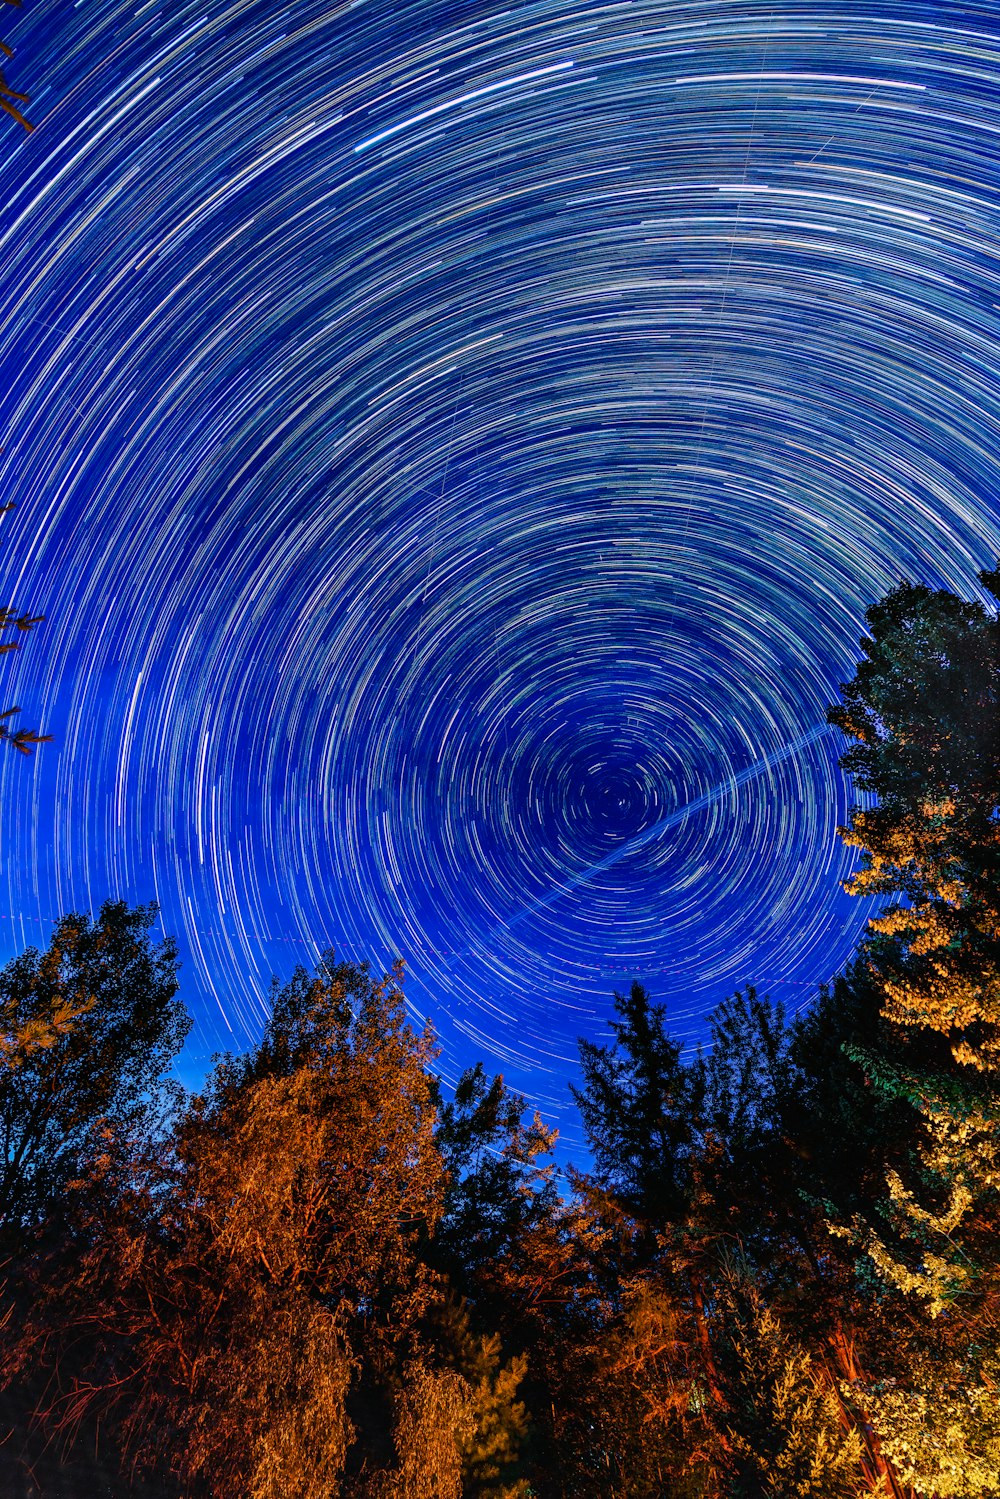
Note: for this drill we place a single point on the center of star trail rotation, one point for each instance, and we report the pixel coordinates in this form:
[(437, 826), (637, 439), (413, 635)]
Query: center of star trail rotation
[(454, 447)]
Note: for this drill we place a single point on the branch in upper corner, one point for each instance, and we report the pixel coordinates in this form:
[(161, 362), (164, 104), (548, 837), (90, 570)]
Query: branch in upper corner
[(9, 100)]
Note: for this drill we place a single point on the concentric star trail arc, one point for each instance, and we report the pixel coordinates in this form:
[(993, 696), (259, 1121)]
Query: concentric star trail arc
[(673, 820)]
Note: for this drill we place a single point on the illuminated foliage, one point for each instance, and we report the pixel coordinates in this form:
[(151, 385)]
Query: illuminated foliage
[(783, 1423), (923, 710), (89, 1028)]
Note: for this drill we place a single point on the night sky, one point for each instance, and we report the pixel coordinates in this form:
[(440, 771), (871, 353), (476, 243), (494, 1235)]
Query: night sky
[(454, 446)]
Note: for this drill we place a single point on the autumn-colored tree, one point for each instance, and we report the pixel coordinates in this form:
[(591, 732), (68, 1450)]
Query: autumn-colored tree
[(262, 1292), (627, 1416), (320, 1276), (246, 1297)]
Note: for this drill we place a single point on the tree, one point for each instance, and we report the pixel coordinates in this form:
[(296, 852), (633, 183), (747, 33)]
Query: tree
[(498, 1183), (491, 1444), (241, 1297), (786, 1437), (922, 710), (640, 1105), (90, 1027), (501, 1246)]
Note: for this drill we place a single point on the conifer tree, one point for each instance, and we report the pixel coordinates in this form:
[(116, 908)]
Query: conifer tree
[(640, 1104), (500, 1182), (924, 710)]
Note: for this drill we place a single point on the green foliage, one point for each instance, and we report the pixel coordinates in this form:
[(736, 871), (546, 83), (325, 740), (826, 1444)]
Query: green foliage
[(748, 1072), (922, 706), (854, 1110)]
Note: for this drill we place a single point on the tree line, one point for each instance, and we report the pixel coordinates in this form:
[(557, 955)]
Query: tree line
[(321, 1275)]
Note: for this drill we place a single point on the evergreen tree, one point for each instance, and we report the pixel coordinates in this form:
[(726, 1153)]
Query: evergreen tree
[(924, 712), (640, 1106), (499, 1183)]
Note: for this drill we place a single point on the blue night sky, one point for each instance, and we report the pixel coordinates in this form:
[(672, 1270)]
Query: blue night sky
[(454, 446)]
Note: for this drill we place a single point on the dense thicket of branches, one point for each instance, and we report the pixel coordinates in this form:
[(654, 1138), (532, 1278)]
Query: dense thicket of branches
[(320, 1276)]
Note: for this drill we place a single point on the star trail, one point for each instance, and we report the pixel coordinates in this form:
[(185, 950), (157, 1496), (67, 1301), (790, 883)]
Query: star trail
[(454, 447)]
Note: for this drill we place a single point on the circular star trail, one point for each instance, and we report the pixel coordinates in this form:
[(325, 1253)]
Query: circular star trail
[(454, 446)]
